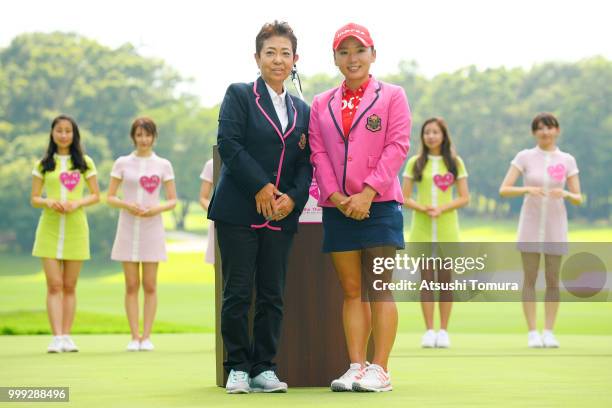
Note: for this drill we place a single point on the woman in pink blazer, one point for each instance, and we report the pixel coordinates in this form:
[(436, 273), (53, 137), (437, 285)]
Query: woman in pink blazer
[(359, 138)]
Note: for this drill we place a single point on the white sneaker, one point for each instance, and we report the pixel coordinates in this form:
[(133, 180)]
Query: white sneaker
[(345, 382), (534, 340), (133, 345), (549, 340), (237, 383), (68, 345), (146, 345), (267, 381), (56, 345), (374, 379), (442, 339), (429, 339)]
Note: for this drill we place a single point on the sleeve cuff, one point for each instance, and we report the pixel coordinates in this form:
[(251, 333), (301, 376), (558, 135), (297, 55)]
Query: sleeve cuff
[(517, 166)]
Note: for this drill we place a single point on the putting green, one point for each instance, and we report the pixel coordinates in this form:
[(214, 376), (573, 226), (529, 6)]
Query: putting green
[(480, 370)]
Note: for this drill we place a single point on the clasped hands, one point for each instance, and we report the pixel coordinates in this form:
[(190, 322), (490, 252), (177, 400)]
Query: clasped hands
[(139, 211), (62, 207), (273, 204), (540, 192), (356, 206)]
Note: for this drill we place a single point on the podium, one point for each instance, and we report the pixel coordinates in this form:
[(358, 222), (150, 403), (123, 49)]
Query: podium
[(312, 350)]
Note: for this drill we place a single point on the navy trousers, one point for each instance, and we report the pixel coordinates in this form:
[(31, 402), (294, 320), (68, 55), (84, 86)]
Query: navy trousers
[(252, 259)]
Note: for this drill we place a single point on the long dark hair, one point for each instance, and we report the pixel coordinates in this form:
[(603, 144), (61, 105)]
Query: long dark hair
[(76, 152), (446, 150)]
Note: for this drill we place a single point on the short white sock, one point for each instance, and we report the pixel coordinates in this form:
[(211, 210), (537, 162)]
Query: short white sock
[(547, 332), (533, 332), (442, 331), (430, 331)]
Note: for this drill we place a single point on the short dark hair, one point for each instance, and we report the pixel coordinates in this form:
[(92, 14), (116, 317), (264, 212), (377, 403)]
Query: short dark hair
[(544, 118), (281, 29), (146, 124)]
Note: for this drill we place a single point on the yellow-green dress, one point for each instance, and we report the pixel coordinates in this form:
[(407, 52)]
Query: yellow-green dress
[(435, 188), (63, 236)]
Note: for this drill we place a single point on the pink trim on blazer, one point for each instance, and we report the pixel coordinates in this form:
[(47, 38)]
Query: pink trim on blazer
[(374, 150), (282, 139)]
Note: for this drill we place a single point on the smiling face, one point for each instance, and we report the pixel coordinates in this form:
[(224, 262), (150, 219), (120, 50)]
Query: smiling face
[(63, 135), (433, 136), (354, 60), (275, 60), (546, 136), (143, 140)]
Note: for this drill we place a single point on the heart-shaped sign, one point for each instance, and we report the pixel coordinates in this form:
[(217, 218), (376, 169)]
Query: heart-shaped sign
[(70, 179), (444, 181), (556, 171), (149, 183), (314, 190)]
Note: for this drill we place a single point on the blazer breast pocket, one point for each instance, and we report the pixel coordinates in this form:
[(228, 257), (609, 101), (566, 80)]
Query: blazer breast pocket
[(373, 161), (300, 137)]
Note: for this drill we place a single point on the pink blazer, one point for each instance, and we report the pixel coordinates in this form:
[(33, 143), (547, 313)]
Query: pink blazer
[(375, 149)]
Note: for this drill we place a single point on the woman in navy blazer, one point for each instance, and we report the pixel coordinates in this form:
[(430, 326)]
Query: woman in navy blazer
[(265, 177)]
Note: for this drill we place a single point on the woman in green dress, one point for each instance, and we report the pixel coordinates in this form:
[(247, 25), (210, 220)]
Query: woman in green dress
[(62, 235), (435, 171)]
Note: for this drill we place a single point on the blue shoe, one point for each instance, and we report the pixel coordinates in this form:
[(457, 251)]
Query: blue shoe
[(237, 383), (267, 381)]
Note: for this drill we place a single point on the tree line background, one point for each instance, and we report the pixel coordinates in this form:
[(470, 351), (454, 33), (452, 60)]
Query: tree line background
[(488, 111)]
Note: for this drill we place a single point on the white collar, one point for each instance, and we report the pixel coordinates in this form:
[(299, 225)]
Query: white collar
[(539, 149), (274, 96), (133, 154)]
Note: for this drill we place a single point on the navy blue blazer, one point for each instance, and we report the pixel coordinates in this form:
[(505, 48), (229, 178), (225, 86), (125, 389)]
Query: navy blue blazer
[(251, 150)]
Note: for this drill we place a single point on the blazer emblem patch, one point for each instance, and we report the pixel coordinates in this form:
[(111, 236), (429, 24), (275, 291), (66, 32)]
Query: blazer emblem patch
[(373, 124)]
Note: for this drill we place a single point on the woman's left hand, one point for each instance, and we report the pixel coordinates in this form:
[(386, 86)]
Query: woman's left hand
[(70, 206), (434, 212), (557, 193), (358, 205), (149, 212), (284, 205)]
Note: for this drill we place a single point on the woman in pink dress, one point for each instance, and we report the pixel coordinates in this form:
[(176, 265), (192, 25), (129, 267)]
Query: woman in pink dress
[(140, 231), (206, 190), (543, 221)]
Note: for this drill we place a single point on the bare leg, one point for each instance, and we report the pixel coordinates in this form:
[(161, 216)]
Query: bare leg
[(55, 284), (72, 269), (149, 285), (427, 300), (531, 262), (446, 299), (132, 284), (356, 315), (384, 310), (552, 263)]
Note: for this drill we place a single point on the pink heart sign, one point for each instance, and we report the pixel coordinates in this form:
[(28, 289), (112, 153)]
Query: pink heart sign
[(70, 179), (149, 183), (314, 190), (443, 182), (556, 171)]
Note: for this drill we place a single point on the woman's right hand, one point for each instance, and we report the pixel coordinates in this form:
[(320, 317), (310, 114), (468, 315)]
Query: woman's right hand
[(535, 191), (54, 205), (266, 200), (337, 199), (133, 209)]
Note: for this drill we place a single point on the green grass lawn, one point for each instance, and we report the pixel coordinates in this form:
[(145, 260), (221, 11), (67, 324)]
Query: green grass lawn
[(488, 365), (485, 370), (186, 294)]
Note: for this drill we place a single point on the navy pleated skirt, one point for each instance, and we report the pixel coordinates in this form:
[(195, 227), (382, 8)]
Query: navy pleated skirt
[(384, 227)]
